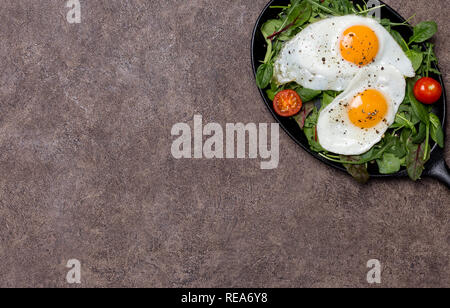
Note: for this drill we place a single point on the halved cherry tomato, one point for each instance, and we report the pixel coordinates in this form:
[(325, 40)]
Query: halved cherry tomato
[(287, 103), (427, 90)]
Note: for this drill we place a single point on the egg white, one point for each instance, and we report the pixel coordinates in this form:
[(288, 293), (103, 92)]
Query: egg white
[(313, 58), (336, 132)]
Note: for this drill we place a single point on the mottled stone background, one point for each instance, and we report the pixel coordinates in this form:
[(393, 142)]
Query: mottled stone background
[(86, 171)]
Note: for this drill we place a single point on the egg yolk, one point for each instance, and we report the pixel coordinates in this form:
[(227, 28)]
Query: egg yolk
[(359, 45), (368, 109)]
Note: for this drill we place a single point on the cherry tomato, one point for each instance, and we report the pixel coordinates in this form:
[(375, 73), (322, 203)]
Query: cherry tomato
[(287, 103), (427, 90)]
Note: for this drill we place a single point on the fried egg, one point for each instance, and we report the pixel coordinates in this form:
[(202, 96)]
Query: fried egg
[(328, 54), (358, 118)]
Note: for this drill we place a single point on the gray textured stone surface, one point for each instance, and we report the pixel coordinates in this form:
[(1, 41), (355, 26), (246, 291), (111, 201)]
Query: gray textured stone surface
[(85, 118)]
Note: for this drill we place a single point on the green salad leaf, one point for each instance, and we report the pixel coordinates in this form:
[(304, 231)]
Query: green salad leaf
[(423, 32), (429, 58), (396, 146), (358, 172), (270, 27), (310, 130), (416, 58), (421, 135), (418, 108), (264, 75), (389, 164), (416, 160), (307, 95), (304, 113), (437, 133)]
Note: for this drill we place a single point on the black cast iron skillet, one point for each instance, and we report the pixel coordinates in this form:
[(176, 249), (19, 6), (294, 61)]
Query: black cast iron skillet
[(435, 168)]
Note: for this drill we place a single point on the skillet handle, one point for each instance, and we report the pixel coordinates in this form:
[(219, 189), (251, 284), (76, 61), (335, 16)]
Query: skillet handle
[(439, 170)]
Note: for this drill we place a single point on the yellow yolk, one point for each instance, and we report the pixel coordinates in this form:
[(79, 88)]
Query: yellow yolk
[(359, 45), (368, 109)]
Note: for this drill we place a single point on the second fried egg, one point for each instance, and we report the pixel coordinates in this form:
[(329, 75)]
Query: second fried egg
[(358, 118)]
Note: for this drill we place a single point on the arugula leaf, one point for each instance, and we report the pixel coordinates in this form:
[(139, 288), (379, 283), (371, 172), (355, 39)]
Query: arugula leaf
[(336, 7), (402, 120), (344, 7), (429, 59), (374, 154), (437, 133), (324, 6), (423, 32), (389, 164)]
